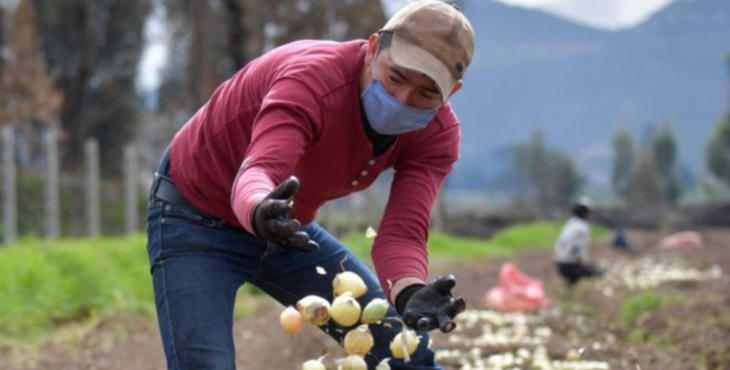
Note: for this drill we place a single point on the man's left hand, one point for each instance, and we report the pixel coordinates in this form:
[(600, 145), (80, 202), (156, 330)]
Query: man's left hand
[(427, 307)]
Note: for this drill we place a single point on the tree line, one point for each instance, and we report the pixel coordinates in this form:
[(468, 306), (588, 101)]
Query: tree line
[(643, 174), (73, 64)]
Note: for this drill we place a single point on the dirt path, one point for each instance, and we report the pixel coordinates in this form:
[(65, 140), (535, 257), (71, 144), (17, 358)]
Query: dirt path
[(689, 330)]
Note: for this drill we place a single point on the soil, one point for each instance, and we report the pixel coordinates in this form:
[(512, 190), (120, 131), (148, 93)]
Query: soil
[(690, 330)]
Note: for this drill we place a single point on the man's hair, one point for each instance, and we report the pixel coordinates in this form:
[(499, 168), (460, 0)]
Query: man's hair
[(384, 40), (581, 211)]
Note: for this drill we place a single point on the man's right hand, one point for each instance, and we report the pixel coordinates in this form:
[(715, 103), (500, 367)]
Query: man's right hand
[(271, 219), (432, 306)]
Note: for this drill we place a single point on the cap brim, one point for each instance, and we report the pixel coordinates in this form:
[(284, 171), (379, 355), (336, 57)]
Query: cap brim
[(407, 55)]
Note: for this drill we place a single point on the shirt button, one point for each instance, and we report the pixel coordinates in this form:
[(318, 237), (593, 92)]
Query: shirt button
[(364, 173), (371, 162), (355, 182)]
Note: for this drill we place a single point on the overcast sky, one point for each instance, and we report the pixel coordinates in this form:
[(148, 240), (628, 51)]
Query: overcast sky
[(602, 14)]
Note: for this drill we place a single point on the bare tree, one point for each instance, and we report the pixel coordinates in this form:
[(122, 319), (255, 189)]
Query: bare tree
[(28, 97)]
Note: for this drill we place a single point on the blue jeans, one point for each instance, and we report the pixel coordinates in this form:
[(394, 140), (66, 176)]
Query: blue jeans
[(198, 264)]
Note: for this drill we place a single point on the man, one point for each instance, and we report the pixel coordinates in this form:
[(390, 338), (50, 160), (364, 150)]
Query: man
[(571, 250), (305, 123)]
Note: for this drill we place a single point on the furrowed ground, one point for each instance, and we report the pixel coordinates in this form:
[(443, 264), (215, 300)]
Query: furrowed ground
[(654, 309)]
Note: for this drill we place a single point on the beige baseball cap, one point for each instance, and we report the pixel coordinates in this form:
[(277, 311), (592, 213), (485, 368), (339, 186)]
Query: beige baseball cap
[(434, 38)]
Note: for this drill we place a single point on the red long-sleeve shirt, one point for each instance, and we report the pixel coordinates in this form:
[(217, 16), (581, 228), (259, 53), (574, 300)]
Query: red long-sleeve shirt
[(296, 111)]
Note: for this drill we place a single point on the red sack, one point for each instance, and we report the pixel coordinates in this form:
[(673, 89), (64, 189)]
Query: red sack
[(516, 292), (683, 240)]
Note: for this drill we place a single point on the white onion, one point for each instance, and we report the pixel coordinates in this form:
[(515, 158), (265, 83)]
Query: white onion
[(353, 362), (349, 281), (313, 365), (411, 342), (345, 310), (358, 341), (375, 310), (314, 309), (290, 320)]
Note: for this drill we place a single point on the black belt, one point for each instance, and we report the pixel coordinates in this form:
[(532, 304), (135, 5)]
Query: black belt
[(163, 188)]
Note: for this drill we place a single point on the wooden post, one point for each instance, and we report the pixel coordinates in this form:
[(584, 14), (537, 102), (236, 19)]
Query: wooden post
[(131, 188), (91, 152), (10, 203), (52, 185)]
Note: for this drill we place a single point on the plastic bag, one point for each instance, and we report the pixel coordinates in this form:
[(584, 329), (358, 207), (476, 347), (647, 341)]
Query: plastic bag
[(516, 292), (683, 240)]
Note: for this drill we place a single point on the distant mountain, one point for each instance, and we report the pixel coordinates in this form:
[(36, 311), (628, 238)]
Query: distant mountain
[(580, 84)]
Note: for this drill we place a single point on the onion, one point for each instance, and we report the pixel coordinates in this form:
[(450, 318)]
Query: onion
[(353, 362), (345, 310), (383, 365), (314, 309), (358, 341), (374, 311), (349, 281), (291, 320), (572, 355), (313, 365), (411, 342)]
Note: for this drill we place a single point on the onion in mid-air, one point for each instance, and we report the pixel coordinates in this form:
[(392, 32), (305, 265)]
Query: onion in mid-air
[(358, 341), (349, 281), (375, 310), (353, 362), (398, 348), (314, 309), (291, 320), (345, 310)]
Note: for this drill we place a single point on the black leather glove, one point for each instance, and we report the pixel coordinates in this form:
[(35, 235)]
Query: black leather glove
[(271, 219), (427, 307)]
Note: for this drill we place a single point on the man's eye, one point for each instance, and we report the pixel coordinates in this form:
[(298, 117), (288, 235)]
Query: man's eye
[(428, 95), (394, 79)]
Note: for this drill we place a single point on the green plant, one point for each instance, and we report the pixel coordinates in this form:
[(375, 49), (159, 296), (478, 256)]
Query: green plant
[(43, 285), (635, 306)]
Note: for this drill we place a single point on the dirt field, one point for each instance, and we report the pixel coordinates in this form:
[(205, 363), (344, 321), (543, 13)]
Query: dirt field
[(690, 329)]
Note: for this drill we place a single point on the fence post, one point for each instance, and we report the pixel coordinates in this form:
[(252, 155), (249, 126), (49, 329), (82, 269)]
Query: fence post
[(10, 204), (131, 188), (354, 211), (52, 185), (91, 152)]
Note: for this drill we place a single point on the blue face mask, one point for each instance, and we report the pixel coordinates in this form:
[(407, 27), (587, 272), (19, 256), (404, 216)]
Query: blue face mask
[(388, 116)]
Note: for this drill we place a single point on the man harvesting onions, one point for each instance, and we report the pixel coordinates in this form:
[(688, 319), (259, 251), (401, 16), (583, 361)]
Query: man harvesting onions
[(237, 192)]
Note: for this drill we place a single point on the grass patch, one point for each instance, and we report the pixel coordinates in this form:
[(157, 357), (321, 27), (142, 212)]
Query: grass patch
[(46, 284), (638, 305), (507, 242)]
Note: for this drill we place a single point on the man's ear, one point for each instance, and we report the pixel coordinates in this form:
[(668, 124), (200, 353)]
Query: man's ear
[(456, 88), (372, 49)]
